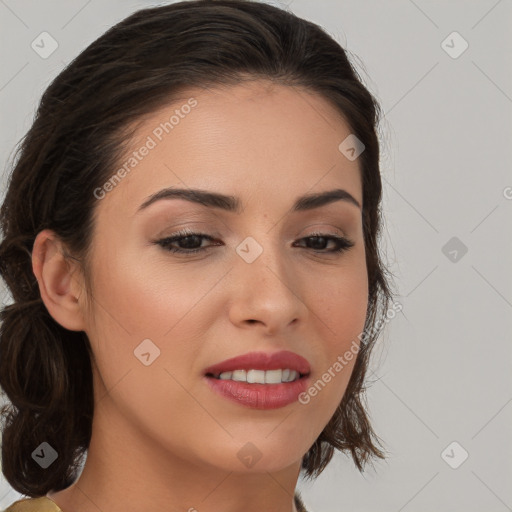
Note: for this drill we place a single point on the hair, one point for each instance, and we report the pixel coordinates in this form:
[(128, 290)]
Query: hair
[(73, 146)]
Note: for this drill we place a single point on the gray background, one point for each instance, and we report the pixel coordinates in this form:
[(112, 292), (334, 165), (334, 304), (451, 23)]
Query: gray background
[(443, 373)]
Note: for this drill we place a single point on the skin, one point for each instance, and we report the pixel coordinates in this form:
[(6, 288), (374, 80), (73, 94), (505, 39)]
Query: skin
[(162, 440)]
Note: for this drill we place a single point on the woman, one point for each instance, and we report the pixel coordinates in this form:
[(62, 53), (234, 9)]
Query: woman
[(190, 238)]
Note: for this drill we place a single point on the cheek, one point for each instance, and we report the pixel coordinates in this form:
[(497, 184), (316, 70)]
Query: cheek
[(340, 300), (341, 305), (145, 298), (135, 301)]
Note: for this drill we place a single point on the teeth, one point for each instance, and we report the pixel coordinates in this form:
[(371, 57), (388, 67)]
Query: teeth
[(239, 375), (260, 376), (293, 376), (273, 376), (256, 377)]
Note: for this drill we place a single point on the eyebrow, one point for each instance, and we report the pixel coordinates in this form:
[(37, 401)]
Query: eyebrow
[(233, 204)]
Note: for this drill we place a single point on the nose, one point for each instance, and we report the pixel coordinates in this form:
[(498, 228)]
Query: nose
[(266, 294)]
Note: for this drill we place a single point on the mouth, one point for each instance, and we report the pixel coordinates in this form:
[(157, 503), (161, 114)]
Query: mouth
[(261, 368), (260, 380), (253, 376)]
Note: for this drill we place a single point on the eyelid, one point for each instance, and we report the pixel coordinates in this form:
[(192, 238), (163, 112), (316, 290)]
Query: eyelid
[(191, 226)]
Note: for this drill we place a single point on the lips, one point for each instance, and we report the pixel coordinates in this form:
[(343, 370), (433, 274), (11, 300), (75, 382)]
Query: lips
[(257, 395), (261, 361)]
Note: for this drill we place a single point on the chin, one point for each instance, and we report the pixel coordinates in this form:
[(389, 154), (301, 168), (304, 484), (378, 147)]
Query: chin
[(259, 456)]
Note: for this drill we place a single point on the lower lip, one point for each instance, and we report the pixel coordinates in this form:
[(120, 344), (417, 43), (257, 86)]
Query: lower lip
[(259, 396)]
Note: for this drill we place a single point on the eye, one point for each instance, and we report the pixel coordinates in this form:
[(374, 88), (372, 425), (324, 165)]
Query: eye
[(318, 240), (189, 242), (187, 238)]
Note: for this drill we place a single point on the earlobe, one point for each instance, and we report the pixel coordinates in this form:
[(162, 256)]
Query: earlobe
[(58, 286)]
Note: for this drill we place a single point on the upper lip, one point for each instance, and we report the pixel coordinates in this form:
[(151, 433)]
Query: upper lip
[(262, 361)]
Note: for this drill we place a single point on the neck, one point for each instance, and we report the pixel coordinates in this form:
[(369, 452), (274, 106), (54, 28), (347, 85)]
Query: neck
[(126, 471)]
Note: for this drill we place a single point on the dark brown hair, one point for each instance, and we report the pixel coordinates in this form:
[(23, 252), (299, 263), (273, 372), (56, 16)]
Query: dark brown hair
[(75, 141)]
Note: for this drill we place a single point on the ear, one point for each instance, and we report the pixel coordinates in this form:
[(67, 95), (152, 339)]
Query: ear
[(59, 288)]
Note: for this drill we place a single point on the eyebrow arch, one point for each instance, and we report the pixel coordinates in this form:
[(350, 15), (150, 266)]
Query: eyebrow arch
[(233, 204)]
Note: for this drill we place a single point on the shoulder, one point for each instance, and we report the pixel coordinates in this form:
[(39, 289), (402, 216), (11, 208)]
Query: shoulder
[(42, 504)]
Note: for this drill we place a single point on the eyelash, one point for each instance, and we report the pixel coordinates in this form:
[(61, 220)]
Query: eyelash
[(343, 243)]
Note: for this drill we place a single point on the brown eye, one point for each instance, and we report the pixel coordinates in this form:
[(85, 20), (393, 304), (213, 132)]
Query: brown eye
[(189, 242), (319, 240)]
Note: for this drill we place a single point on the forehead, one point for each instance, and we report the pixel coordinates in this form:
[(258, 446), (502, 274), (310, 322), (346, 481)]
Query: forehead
[(255, 139)]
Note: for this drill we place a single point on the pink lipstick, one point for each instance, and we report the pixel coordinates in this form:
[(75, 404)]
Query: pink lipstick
[(260, 380)]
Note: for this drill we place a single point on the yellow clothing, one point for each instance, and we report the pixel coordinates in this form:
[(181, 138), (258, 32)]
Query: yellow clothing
[(42, 504), (45, 504)]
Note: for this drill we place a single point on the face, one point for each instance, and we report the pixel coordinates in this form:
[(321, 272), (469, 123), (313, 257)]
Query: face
[(258, 275)]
